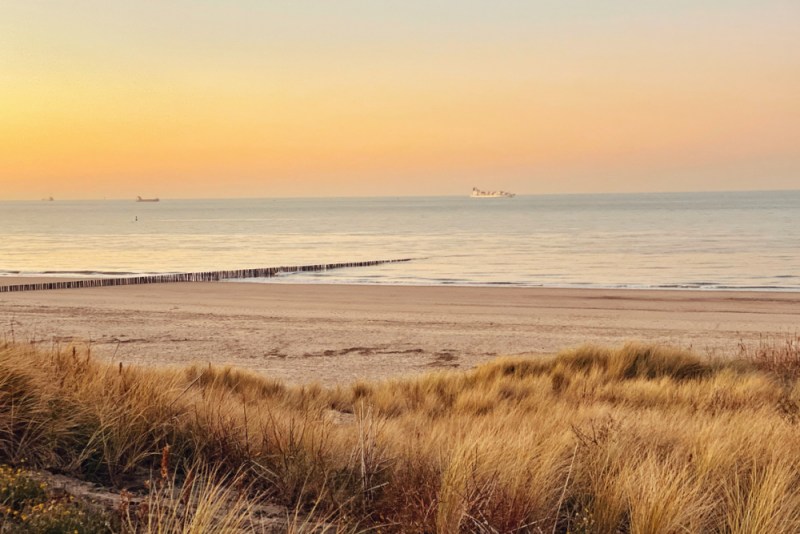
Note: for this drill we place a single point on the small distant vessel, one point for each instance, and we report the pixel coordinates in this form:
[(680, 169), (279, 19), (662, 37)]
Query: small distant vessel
[(48, 199), (477, 193), (140, 199)]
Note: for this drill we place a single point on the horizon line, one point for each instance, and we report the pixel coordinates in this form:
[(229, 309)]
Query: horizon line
[(345, 197)]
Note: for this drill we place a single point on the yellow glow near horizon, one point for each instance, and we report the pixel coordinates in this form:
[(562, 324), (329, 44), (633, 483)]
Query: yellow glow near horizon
[(647, 107)]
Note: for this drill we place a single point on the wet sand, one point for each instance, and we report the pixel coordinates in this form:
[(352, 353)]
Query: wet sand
[(338, 333)]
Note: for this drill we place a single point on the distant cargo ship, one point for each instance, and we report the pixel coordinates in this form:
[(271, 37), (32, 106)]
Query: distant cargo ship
[(140, 199), (477, 193)]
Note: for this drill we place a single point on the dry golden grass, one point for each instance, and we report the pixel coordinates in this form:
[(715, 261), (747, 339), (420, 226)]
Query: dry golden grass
[(639, 439)]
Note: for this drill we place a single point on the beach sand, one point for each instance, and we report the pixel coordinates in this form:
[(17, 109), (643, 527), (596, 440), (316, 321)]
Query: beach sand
[(339, 333)]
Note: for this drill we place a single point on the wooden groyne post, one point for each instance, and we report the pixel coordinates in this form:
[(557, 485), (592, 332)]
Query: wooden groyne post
[(206, 276)]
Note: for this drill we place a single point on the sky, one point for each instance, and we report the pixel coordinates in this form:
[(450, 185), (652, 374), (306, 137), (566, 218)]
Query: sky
[(258, 98)]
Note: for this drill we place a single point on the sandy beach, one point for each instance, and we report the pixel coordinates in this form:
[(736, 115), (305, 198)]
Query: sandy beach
[(339, 333)]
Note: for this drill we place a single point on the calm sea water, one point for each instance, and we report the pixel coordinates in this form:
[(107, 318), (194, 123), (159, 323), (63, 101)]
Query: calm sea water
[(689, 240)]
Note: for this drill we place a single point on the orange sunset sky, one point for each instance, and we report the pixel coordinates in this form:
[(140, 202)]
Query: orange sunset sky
[(259, 98)]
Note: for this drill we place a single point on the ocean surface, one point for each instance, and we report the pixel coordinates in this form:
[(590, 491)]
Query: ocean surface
[(736, 240)]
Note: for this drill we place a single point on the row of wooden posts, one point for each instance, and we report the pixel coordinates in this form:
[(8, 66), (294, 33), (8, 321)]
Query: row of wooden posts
[(207, 276)]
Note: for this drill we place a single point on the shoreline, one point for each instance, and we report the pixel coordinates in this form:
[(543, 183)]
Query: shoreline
[(8, 280)]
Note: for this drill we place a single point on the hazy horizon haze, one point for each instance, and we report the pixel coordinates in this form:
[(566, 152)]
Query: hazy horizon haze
[(250, 99)]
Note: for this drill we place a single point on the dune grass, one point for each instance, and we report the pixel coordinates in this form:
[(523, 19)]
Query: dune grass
[(639, 439)]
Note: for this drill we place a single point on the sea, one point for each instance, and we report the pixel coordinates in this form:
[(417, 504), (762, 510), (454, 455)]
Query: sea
[(700, 241)]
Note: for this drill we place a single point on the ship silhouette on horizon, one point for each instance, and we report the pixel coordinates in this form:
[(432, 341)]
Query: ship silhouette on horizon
[(477, 193)]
